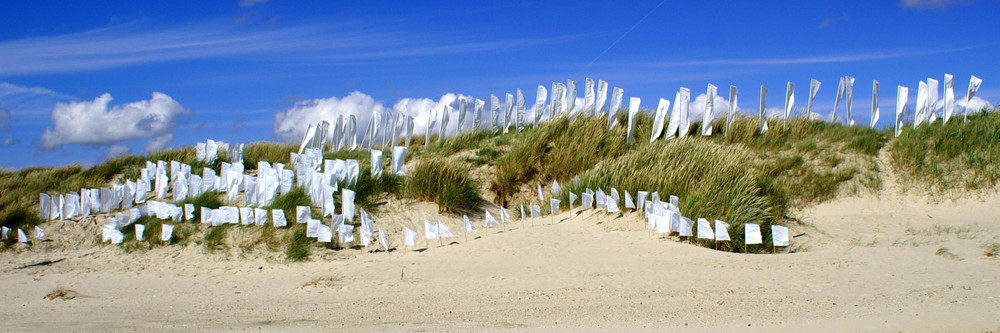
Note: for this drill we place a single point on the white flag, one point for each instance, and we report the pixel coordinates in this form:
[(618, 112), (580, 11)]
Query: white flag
[(278, 218), (541, 197), (540, 98), (572, 198), (381, 239), (303, 214), (377, 163), (312, 228), (687, 226), (949, 96), (536, 211), (347, 207), (519, 118), (633, 110), (902, 95), (602, 98), (504, 216), (675, 118), (508, 113), (556, 189), (443, 230), (490, 221), (628, 201), (346, 232), (658, 119), (39, 233), (246, 215), (21, 237), (974, 83), (430, 230), (789, 102), (612, 206), (640, 199), (684, 124), (733, 107), (166, 232), (616, 105), (188, 211), (721, 231), (586, 201), (875, 110), (324, 234), (260, 216), (523, 215), (554, 205), (399, 161), (813, 90), (3, 232), (468, 225), (752, 234), (409, 237), (705, 229), (707, 116), (921, 113), (139, 230), (570, 97), (932, 100), (779, 235), (588, 97)]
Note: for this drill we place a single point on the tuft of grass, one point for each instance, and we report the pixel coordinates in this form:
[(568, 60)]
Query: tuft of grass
[(445, 183), (368, 190), (954, 156), (210, 199), (991, 249), (944, 252), (298, 245), (215, 238), (61, 293), (271, 152), (325, 282)]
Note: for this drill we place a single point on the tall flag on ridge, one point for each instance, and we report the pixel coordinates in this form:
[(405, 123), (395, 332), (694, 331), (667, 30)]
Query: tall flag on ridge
[(707, 117), (949, 96), (684, 124), (602, 98), (974, 83), (661, 114), (540, 98), (813, 90), (570, 97), (789, 102), (733, 107), (588, 97), (633, 110), (616, 105), (763, 117), (902, 95), (875, 110)]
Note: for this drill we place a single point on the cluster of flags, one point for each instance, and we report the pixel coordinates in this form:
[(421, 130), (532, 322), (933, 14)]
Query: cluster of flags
[(208, 151), (21, 236)]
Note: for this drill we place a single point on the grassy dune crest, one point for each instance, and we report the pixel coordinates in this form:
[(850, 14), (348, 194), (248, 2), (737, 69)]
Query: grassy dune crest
[(948, 157)]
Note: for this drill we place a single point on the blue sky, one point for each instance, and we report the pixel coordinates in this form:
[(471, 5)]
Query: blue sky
[(176, 73)]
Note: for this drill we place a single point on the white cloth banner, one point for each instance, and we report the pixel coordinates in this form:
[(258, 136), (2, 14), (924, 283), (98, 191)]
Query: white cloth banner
[(377, 163), (633, 110), (684, 123), (974, 83), (920, 116), (468, 225), (763, 117), (303, 214), (554, 206), (45, 206), (628, 201), (721, 231), (430, 229), (588, 97), (246, 215), (540, 97), (659, 118), (707, 116), (902, 95), (399, 161), (536, 211), (949, 97), (139, 230), (875, 110), (813, 90), (508, 113), (687, 226), (572, 199), (346, 232), (751, 234), (504, 216), (347, 207), (166, 232), (260, 216), (324, 234), (312, 228), (278, 218), (705, 229), (733, 107), (586, 201), (490, 221), (789, 101), (616, 105), (779, 235), (381, 239), (409, 237), (39, 233), (602, 98), (570, 97)]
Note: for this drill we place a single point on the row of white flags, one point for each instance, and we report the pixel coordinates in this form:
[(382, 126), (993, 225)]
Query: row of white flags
[(22, 237), (390, 126), (208, 151)]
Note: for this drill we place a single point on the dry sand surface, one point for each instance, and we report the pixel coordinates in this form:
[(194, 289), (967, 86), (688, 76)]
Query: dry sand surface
[(870, 263)]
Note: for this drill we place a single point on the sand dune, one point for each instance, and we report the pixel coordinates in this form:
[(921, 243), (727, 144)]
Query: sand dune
[(871, 263)]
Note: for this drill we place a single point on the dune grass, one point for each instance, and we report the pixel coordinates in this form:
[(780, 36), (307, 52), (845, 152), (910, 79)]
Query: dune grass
[(272, 152), (950, 157), (445, 183)]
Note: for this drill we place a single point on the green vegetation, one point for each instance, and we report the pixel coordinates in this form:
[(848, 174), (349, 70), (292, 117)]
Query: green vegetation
[(272, 152), (210, 199), (954, 156), (445, 183), (215, 238), (298, 246)]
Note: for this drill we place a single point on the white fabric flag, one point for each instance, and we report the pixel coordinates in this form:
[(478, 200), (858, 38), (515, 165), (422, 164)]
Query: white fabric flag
[(586, 201), (633, 110), (490, 221), (841, 89), (504, 216), (572, 198), (875, 110), (523, 215), (508, 113), (536, 211), (477, 120), (324, 234), (588, 97), (932, 101), (376, 164), (430, 230), (347, 206), (974, 83), (278, 218), (346, 233), (443, 231), (705, 229), (613, 195), (495, 113), (762, 116), (902, 95), (665, 221), (206, 215), (520, 110), (556, 189), (540, 98), (752, 234), (468, 225), (110, 234), (45, 206), (570, 97), (612, 206), (616, 105), (733, 107), (602, 98), (246, 215), (789, 102), (312, 228), (23, 238), (779, 235), (366, 236), (675, 118), (166, 232), (409, 237), (541, 197), (949, 96), (659, 118), (399, 161), (303, 214), (445, 118), (4, 231), (707, 116), (71, 207), (687, 226), (721, 231), (684, 124), (381, 239), (188, 212), (640, 199), (554, 205), (813, 90), (628, 201), (921, 113), (139, 230), (463, 109), (849, 97), (39, 233), (260, 216)]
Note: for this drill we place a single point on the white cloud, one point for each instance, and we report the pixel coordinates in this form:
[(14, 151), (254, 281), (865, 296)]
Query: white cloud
[(115, 151), (291, 124), (94, 123), (4, 120), (930, 4)]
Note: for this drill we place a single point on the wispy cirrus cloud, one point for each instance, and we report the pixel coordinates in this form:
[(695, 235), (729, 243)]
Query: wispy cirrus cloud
[(931, 4), (823, 59), (132, 44)]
